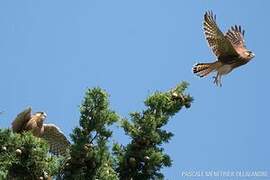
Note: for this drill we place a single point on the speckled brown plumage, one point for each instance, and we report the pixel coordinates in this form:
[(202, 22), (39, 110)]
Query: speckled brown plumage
[(229, 49), (25, 121)]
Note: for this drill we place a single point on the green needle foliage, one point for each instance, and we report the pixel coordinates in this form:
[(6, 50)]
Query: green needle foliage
[(23, 156), (89, 155), (143, 157)]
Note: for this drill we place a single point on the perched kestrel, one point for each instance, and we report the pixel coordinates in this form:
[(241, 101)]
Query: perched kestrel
[(25, 121), (229, 48)]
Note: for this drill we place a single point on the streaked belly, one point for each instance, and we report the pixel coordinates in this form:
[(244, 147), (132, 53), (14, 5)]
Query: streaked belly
[(225, 69)]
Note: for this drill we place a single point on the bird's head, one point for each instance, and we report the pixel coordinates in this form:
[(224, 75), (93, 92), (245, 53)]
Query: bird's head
[(249, 55), (42, 115)]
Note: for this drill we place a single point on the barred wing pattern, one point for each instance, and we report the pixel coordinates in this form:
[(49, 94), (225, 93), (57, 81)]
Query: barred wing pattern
[(236, 36), (56, 139), (220, 45)]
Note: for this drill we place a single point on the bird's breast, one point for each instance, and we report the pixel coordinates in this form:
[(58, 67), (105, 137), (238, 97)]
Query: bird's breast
[(225, 69)]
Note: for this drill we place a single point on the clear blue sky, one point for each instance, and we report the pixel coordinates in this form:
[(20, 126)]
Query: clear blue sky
[(51, 51)]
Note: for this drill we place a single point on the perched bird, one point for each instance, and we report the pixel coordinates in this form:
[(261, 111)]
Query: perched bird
[(25, 121), (229, 49)]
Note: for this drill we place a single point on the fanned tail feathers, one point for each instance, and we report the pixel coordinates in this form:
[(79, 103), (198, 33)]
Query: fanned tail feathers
[(203, 69)]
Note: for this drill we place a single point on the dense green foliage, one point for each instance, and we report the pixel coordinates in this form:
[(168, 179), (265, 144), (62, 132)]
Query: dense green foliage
[(143, 157), (91, 155), (23, 156)]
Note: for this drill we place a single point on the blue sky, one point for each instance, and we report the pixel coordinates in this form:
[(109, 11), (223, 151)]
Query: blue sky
[(51, 51)]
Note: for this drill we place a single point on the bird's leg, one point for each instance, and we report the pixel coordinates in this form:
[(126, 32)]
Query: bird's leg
[(217, 80)]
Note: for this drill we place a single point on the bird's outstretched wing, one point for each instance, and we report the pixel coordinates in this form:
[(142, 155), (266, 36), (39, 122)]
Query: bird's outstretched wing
[(21, 119), (220, 45), (236, 36), (56, 139)]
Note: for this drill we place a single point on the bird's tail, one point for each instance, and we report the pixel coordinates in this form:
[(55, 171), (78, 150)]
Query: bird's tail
[(203, 69)]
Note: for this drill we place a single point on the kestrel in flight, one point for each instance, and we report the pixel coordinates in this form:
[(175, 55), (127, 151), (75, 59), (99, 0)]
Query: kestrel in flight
[(25, 121), (229, 49)]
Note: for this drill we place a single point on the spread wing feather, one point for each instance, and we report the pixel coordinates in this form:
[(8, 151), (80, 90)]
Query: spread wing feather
[(56, 139), (236, 36), (21, 119), (220, 45)]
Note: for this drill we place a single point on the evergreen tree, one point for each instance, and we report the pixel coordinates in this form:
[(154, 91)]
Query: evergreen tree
[(89, 155), (143, 157), (23, 156)]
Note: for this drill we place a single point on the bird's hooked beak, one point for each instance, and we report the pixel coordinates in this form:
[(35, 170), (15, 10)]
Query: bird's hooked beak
[(252, 55), (43, 115)]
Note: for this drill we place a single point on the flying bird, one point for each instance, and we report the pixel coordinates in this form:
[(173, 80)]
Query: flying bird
[(26, 121), (229, 48)]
